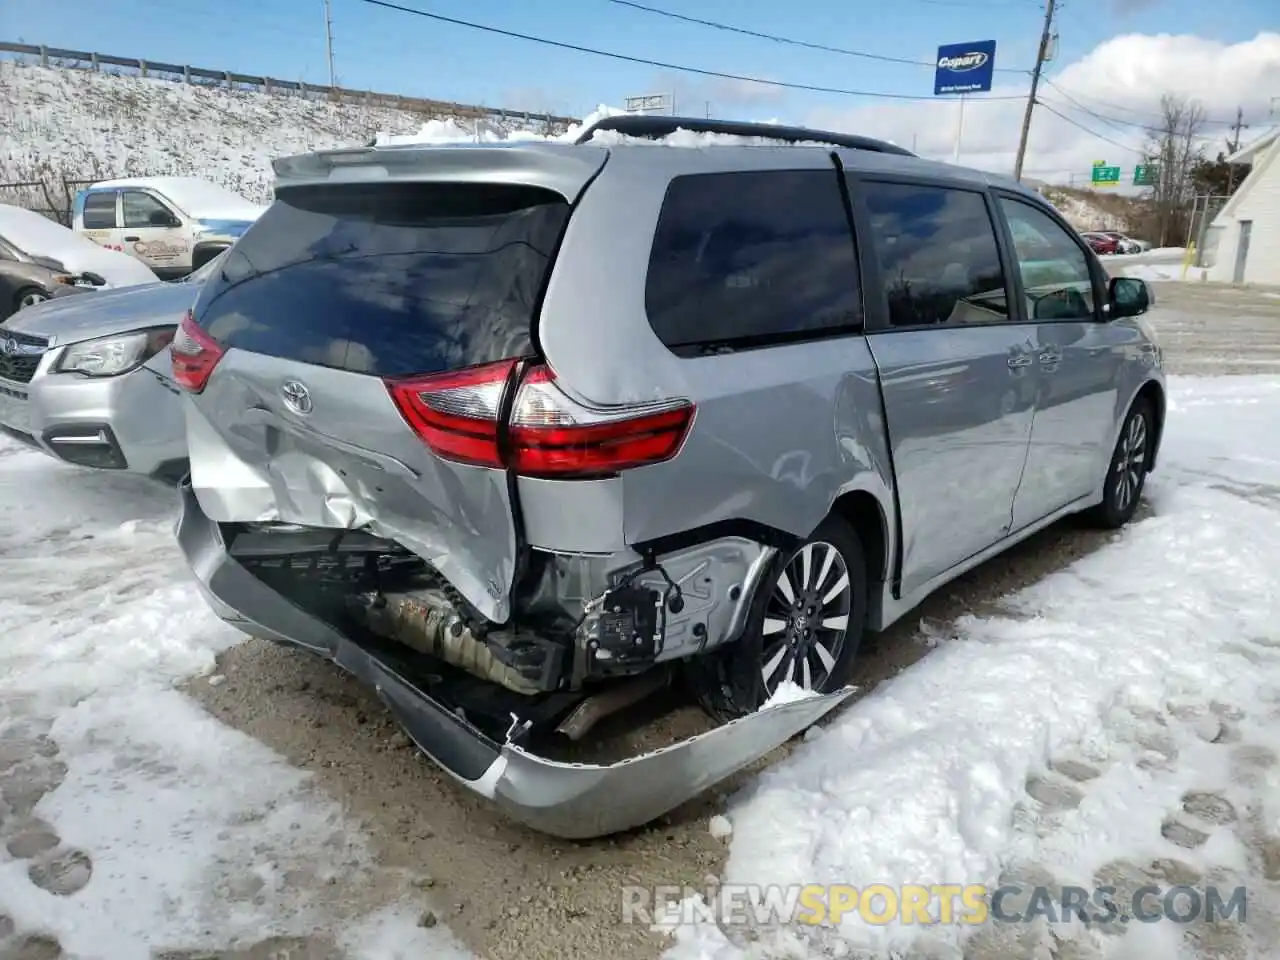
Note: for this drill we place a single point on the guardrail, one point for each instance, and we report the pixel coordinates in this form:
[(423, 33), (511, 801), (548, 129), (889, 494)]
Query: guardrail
[(88, 60)]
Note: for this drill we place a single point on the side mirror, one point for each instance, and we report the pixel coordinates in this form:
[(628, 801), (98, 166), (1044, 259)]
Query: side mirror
[(1128, 297), (96, 279)]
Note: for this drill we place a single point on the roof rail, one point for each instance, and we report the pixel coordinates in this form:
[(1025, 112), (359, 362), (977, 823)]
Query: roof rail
[(655, 127)]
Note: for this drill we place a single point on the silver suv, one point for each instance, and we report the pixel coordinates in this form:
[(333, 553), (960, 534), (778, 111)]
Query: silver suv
[(519, 433)]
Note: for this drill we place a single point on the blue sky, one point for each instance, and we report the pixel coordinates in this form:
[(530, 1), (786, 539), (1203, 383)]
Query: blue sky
[(400, 53)]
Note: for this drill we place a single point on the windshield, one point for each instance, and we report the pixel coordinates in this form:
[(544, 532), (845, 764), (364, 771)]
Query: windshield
[(11, 251)]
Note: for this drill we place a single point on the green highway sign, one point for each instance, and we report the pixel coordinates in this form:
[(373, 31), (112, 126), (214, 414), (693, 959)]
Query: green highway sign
[(1105, 175), (1144, 174)]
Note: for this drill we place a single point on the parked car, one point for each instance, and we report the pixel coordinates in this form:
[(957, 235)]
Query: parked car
[(1101, 243), (1124, 244), (525, 431), (172, 224), (26, 280), (88, 380), (38, 239)]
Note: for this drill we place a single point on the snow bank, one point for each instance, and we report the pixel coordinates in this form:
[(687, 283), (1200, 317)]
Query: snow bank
[(1153, 272), (158, 828), (1142, 664)]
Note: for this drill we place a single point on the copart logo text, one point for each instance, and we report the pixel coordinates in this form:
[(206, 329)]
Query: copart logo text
[(965, 61)]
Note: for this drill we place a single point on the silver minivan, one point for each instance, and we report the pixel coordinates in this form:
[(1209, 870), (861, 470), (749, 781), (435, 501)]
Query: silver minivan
[(519, 433)]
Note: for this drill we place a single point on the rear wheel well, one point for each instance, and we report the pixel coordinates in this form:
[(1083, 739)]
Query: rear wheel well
[(863, 512), (29, 288), (204, 252), (1152, 393)]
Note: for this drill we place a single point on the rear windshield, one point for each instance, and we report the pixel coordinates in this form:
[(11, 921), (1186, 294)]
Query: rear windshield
[(388, 279)]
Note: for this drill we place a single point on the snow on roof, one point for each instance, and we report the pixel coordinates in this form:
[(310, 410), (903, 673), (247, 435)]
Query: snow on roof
[(691, 138), (37, 235), (196, 197), (451, 131)]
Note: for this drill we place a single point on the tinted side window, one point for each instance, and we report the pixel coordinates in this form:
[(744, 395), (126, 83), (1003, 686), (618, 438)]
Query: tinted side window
[(388, 278), (1055, 271), (938, 255), (754, 257), (100, 211), (140, 209)]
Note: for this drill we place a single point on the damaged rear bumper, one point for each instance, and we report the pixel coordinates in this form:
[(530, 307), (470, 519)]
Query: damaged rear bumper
[(570, 800)]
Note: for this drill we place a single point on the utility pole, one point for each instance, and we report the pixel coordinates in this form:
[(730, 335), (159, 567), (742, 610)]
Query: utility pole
[(1235, 146), (1041, 54), (1240, 125), (328, 41)]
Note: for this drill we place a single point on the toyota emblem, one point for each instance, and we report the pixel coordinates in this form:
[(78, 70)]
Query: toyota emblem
[(9, 346), (296, 396)]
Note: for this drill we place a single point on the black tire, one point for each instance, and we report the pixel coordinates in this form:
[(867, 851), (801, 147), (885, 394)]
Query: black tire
[(730, 682), (1126, 470), (24, 293)]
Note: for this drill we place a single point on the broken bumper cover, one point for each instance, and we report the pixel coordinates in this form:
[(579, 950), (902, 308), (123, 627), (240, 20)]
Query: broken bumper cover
[(570, 800)]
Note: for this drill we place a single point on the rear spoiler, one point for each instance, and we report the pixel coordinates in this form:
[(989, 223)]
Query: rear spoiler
[(563, 168)]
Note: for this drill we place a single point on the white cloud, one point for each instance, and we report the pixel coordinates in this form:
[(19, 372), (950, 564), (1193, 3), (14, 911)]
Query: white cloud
[(1122, 80)]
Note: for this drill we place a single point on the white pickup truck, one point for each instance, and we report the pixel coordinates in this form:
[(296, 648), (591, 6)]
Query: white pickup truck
[(172, 224)]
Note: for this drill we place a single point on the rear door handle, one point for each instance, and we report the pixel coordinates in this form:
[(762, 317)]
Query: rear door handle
[(132, 239), (1022, 360)]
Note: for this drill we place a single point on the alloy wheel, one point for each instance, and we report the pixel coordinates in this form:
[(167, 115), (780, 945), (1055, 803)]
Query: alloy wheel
[(806, 619), (1131, 459), (31, 299)]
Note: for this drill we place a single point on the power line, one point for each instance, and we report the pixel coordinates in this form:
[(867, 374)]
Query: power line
[(1092, 133), (790, 41), (661, 65), (1154, 131), (1122, 109), (1110, 121)]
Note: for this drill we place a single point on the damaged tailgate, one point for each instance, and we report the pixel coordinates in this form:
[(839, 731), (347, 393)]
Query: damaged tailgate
[(340, 328)]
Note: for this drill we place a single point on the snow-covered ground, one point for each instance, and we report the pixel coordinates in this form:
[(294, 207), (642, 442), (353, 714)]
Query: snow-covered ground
[(132, 822), (1160, 264), (1118, 724)]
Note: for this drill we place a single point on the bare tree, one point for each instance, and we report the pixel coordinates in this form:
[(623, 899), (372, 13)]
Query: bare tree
[(1175, 145)]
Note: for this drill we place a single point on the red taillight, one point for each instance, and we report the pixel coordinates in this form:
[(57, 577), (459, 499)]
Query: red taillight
[(549, 434), (194, 354), (456, 414)]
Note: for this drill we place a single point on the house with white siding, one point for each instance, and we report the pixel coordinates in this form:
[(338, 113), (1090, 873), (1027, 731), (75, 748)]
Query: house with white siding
[(1244, 239)]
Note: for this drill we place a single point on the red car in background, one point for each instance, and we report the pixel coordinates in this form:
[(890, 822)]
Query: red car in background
[(1102, 244)]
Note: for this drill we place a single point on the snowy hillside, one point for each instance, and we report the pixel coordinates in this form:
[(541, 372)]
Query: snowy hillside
[(81, 125), (1090, 210)]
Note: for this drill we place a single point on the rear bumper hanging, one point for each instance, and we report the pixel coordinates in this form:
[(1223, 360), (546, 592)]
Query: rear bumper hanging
[(570, 800)]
